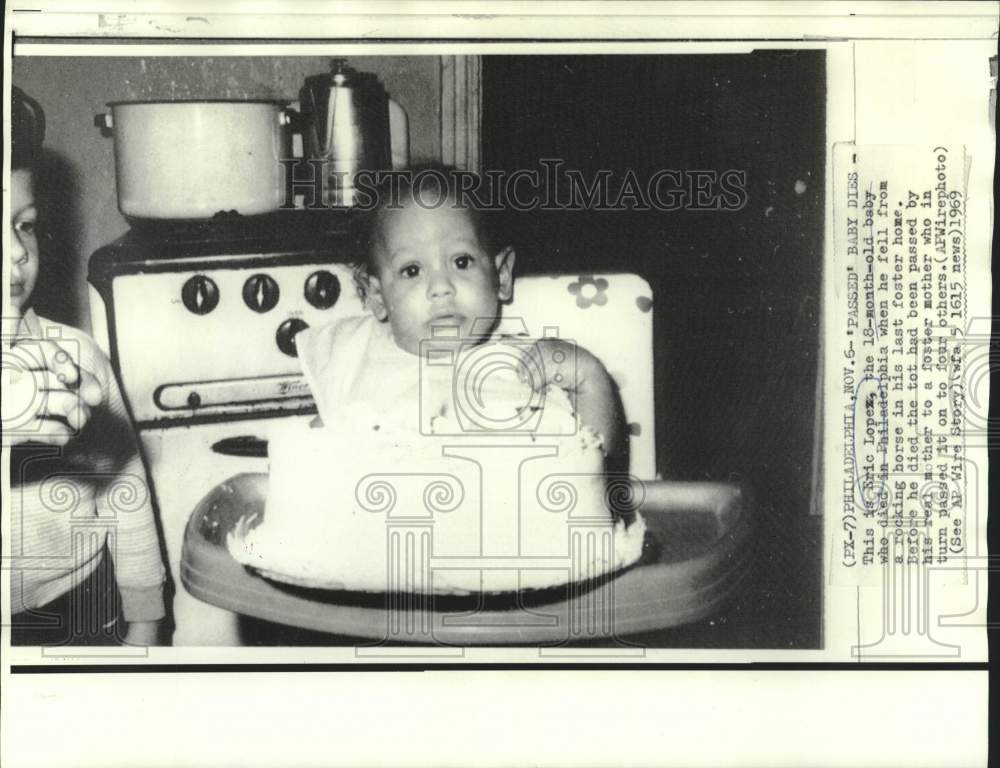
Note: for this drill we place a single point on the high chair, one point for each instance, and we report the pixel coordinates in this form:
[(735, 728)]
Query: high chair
[(696, 550), (612, 317)]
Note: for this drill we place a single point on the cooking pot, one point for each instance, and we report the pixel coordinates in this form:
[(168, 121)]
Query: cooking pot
[(193, 159)]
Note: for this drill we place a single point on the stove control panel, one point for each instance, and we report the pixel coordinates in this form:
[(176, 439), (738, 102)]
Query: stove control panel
[(205, 394), (285, 337), (200, 294), (261, 293), (215, 337), (322, 289)]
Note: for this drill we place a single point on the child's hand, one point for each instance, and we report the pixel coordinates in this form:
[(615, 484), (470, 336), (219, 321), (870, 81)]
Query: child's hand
[(583, 377), (559, 363), (143, 633), (61, 393)]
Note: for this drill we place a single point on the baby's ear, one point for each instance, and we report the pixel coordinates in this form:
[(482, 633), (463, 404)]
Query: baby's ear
[(374, 298), (505, 273)]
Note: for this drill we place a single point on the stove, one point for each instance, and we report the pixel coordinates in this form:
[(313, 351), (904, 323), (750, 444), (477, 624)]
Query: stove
[(199, 320)]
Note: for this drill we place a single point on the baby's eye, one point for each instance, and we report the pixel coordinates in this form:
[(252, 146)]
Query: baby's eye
[(464, 261), (410, 270)]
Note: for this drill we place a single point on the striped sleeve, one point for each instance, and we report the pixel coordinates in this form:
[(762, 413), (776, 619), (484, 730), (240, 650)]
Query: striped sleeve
[(125, 497)]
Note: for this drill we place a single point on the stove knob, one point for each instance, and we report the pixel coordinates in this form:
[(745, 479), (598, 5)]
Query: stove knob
[(260, 293), (322, 289), (286, 335), (200, 294)]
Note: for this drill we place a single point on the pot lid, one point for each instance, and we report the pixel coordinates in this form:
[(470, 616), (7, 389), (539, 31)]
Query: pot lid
[(341, 73)]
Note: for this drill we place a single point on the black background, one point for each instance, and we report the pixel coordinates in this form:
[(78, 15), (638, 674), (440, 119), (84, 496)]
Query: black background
[(736, 293)]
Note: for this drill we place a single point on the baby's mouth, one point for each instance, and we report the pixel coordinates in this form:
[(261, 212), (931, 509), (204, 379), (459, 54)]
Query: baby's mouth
[(446, 318)]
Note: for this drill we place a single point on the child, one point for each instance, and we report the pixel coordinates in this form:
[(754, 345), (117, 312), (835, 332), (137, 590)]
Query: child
[(427, 266), (76, 475)]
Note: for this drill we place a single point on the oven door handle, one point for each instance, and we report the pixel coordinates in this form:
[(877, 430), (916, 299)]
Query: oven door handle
[(246, 445)]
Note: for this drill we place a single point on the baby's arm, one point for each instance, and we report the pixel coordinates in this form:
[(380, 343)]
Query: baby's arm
[(588, 384)]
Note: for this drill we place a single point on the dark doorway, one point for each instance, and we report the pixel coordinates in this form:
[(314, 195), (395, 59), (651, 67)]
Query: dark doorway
[(736, 292)]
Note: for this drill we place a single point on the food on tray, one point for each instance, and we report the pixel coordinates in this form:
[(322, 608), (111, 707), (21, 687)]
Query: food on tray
[(373, 503)]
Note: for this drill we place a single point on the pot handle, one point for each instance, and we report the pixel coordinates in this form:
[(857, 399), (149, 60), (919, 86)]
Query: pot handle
[(105, 122), (291, 118)]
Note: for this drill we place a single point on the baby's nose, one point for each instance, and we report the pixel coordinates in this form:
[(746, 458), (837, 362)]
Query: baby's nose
[(440, 285)]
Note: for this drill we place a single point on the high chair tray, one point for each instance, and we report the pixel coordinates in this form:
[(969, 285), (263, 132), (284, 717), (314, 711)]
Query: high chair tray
[(695, 554)]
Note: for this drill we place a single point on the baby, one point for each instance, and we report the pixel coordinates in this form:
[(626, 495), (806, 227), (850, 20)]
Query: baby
[(434, 279), (431, 263), (77, 483)]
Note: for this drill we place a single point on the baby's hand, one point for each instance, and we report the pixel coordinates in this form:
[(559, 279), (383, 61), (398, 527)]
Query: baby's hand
[(583, 377), (560, 363)]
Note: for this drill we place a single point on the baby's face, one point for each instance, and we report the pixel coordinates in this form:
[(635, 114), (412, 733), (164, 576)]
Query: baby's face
[(23, 240), (432, 270)]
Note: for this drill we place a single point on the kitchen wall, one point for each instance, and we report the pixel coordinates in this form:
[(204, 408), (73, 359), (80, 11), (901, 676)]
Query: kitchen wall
[(80, 178)]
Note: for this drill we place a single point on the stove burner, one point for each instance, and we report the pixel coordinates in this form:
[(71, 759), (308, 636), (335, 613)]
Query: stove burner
[(283, 237), (230, 226)]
